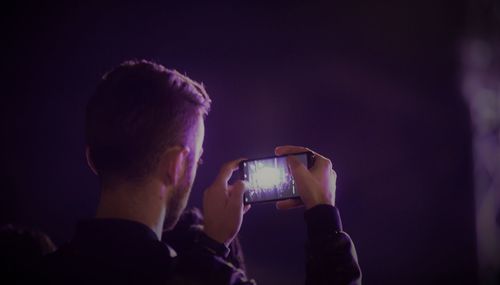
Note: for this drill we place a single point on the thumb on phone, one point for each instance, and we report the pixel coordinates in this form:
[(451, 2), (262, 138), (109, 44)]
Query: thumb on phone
[(300, 173), (304, 180)]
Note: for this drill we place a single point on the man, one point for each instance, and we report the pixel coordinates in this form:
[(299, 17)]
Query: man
[(144, 131)]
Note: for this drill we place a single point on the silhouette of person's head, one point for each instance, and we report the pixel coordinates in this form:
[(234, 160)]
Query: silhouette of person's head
[(22, 247)]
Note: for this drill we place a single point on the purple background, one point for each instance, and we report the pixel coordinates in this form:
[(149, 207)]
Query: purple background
[(375, 87)]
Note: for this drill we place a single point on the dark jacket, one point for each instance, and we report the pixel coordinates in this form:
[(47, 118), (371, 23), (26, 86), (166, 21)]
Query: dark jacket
[(112, 251)]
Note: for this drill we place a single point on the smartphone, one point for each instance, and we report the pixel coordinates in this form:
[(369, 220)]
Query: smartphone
[(269, 178)]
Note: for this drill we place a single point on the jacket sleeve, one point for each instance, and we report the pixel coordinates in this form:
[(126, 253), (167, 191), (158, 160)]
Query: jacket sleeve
[(206, 263), (331, 256)]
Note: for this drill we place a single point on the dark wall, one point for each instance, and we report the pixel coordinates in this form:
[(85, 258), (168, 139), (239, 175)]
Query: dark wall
[(373, 86)]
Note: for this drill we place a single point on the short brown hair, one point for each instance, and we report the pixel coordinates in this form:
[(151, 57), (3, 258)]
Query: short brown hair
[(138, 109)]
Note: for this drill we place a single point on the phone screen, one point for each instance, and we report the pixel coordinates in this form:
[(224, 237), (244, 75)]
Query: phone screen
[(270, 179)]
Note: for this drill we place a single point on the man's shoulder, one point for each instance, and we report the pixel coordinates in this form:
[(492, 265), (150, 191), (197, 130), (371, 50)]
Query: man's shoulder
[(73, 264)]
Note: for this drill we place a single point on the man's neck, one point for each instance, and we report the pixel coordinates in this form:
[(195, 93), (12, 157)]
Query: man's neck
[(145, 204)]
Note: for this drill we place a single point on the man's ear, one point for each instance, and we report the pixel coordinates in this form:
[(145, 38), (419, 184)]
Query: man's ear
[(173, 164), (90, 163)]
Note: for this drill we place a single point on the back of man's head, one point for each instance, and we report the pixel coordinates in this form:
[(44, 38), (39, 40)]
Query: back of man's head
[(138, 110)]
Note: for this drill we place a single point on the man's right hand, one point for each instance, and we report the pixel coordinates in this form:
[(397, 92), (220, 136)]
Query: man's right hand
[(316, 186), (223, 205)]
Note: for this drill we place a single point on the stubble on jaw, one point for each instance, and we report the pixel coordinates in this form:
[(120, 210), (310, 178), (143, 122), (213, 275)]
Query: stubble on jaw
[(179, 199)]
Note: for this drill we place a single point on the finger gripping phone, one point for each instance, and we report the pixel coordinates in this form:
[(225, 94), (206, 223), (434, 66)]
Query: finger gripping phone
[(269, 178)]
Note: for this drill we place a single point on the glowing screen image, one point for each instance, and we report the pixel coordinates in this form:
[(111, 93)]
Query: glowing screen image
[(269, 179)]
